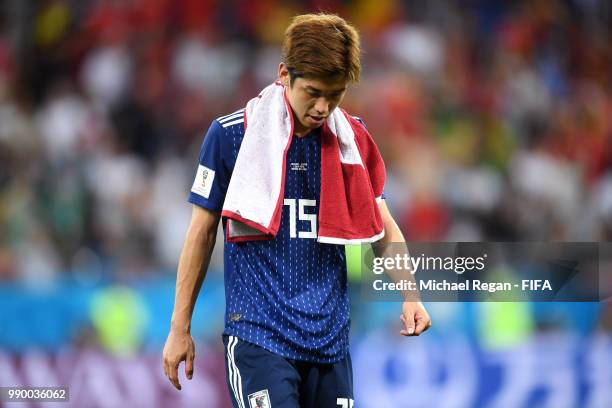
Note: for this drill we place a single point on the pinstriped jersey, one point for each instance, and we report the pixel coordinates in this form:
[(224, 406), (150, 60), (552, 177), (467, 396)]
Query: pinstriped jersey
[(288, 294)]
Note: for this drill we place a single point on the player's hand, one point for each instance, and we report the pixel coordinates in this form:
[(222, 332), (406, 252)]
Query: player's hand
[(179, 347), (415, 319)]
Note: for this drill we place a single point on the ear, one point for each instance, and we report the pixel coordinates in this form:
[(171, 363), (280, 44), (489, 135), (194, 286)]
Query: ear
[(283, 74)]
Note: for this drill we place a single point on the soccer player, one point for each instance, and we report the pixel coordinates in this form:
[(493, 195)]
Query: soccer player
[(287, 307)]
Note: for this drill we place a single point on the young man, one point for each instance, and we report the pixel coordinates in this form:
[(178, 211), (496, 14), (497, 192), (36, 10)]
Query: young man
[(294, 179)]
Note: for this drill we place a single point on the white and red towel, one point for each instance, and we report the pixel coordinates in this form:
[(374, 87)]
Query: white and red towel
[(352, 175)]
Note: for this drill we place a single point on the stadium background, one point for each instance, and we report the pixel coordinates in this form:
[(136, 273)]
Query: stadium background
[(494, 118)]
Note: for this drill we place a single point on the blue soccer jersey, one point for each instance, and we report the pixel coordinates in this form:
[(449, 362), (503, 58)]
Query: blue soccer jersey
[(288, 294)]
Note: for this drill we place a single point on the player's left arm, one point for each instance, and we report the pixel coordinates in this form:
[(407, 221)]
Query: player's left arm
[(414, 317)]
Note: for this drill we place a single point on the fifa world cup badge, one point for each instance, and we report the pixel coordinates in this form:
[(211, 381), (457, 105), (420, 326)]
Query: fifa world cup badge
[(203, 181), (260, 399)]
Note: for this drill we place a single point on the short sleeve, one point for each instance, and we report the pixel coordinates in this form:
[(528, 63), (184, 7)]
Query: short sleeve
[(212, 175)]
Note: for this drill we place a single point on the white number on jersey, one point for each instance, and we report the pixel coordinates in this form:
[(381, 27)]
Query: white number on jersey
[(303, 216), (345, 402)]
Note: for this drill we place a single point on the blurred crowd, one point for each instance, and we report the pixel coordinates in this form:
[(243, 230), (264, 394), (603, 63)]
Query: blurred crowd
[(494, 119)]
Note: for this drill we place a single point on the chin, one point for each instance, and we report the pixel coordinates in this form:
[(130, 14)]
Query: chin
[(309, 125), (313, 126)]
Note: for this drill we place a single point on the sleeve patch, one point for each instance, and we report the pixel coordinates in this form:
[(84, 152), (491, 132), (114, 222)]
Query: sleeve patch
[(203, 181)]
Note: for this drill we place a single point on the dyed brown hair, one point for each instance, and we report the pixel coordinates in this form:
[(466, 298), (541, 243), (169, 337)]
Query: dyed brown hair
[(322, 46)]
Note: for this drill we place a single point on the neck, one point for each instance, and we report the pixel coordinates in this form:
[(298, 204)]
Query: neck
[(299, 130)]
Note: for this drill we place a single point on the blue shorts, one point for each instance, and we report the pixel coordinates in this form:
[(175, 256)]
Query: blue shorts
[(258, 378)]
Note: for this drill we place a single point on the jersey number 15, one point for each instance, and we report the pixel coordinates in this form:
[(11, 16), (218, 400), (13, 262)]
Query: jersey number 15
[(312, 218)]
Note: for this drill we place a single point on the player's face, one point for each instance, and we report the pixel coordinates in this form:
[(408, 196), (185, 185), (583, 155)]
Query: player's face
[(312, 100)]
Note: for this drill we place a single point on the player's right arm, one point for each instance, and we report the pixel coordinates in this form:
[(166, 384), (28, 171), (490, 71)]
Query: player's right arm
[(193, 264), (207, 193)]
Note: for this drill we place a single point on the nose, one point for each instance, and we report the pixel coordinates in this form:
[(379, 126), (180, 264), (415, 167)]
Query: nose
[(322, 106)]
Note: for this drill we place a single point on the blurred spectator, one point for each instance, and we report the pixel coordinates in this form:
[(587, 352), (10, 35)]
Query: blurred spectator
[(493, 117)]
